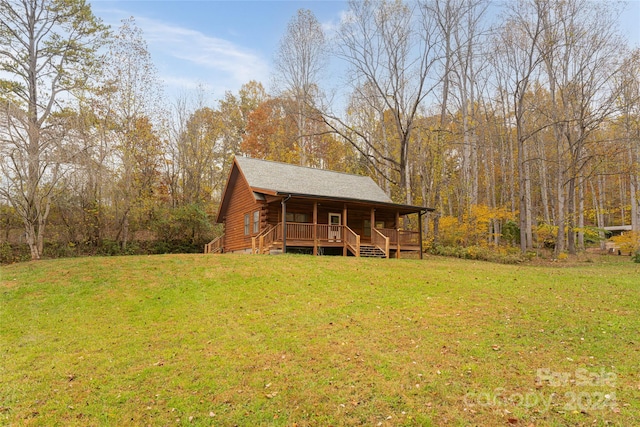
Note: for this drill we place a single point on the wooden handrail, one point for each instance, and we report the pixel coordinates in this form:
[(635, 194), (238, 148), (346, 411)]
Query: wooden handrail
[(407, 237), (402, 237), (214, 246), (299, 231), (264, 239), (353, 240), (380, 241), (391, 233)]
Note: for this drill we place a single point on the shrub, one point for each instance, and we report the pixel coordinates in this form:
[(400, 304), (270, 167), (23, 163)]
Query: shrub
[(10, 253), (511, 233), (546, 235), (483, 253), (189, 222), (628, 242)]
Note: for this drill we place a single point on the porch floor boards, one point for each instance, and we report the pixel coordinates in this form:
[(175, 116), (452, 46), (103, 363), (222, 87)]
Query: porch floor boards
[(309, 243), (339, 244)]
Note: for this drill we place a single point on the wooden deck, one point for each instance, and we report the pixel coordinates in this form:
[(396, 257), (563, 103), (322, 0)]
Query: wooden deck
[(383, 242)]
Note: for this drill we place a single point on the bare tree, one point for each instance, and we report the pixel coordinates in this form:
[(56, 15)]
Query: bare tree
[(460, 24), (580, 49), (47, 49), (630, 109), (392, 50), (518, 63), (299, 63)]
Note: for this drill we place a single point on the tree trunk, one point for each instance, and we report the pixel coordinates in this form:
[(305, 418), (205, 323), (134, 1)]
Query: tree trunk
[(560, 215), (581, 215), (633, 191), (529, 206), (571, 216), (623, 189), (598, 207), (522, 186)]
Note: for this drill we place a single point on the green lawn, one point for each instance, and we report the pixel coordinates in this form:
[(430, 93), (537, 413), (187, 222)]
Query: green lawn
[(302, 340)]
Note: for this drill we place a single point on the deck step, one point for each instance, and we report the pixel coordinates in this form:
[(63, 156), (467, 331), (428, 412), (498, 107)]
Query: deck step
[(371, 251)]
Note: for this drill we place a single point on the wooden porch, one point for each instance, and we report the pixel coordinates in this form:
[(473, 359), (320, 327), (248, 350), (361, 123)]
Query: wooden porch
[(382, 243)]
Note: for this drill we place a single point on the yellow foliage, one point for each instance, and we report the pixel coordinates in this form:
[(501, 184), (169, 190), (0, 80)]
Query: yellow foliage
[(589, 232), (628, 242), (474, 228), (546, 234)]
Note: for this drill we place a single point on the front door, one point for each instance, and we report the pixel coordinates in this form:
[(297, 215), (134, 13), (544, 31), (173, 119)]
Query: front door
[(335, 230)]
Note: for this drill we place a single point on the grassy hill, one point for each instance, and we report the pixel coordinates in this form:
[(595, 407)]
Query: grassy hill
[(301, 340)]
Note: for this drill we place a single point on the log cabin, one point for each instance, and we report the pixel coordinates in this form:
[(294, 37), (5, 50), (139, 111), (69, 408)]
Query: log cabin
[(272, 207)]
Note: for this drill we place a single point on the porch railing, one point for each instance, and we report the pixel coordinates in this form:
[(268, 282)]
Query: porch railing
[(215, 246), (406, 237), (305, 232), (330, 233), (353, 240), (380, 241), (401, 237), (299, 231)]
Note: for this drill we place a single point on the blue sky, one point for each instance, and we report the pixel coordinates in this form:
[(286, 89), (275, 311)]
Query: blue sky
[(220, 44), (224, 44)]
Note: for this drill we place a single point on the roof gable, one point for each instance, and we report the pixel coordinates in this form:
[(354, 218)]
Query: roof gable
[(235, 182), (283, 178)]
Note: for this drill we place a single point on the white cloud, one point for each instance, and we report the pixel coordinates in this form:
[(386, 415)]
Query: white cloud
[(195, 57), (187, 58), (332, 26)]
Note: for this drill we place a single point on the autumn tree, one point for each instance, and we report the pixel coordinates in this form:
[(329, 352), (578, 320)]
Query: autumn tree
[(199, 157), (47, 49), (131, 96), (271, 132), (202, 140), (234, 111)]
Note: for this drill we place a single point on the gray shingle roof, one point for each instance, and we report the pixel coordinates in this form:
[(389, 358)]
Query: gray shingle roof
[(291, 179)]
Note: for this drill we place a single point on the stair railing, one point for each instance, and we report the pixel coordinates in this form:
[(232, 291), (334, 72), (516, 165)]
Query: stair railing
[(380, 241), (215, 246), (263, 240), (353, 240)]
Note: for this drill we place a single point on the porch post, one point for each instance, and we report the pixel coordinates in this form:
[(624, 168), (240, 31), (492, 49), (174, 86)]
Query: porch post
[(420, 232), (284, 223), (315, 228), (373, 222), (343, 231), (397, 234)]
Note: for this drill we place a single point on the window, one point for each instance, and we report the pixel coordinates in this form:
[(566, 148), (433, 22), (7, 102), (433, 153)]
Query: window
[(301, 217), (246, 224), (367, 227), (298, 217), (256, 222)]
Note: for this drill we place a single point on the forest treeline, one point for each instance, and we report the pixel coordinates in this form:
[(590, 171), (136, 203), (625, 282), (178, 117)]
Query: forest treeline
[(518, 123)]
